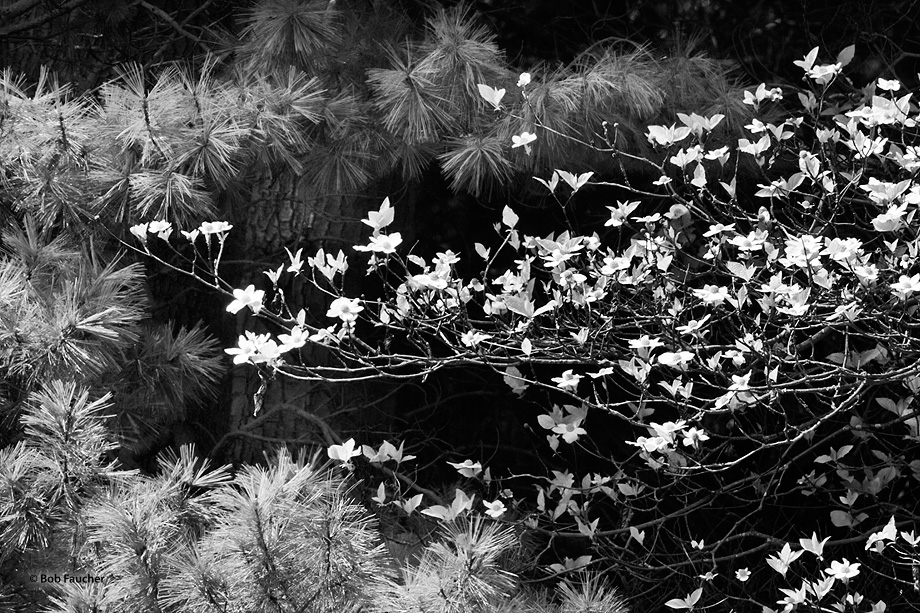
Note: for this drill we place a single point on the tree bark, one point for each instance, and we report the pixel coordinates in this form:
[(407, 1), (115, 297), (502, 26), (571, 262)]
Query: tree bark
[(281, 210)]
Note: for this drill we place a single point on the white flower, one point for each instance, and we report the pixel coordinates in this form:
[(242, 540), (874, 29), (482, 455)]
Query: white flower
[(906, 286), (380, 218), (685, 156), (793, 598), (524, 79), (495, 509), (140, 231), (191, 236), (161, 228), (650, 445), (295, 340), (467, 468), (603, 372), (296, 261), (325, 336), (803, 252), (568, 381), (274, 275), (712, 294), (694, 325), (742, 574), (429, 281), (890, 220), (446, 258), (491, 95), (866, 146), (569, 431), (842, 250), (678, 359), (523, 140), (344, 452), (621, 212), (892, 85), (843, 571), (824, 73), (214, 227), (384, 243), (254, 348), (780, 563), (719, 229), (665, 136), (249, 297), (244, 351), (814, 545), (327, 265), (693, 436), (346, 309), (752, 242), (472, 338), (761, 94), (645, 342)]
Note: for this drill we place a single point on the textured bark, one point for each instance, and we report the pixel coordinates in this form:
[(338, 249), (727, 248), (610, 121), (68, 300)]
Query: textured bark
[(280, 210)]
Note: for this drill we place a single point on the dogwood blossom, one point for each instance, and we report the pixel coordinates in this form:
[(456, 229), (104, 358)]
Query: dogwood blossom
[(215, 227), (249, 297), (906, 286), (843, 570), (496, 508), (568, 381), (383, 243)]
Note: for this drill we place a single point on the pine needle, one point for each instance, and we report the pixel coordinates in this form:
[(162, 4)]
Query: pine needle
[(476, 164)]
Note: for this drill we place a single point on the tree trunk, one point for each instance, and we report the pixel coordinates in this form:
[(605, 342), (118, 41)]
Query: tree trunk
[(281, 210)]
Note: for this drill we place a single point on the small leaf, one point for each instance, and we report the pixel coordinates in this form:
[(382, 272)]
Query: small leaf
[(575, 182), (552, 183), (627, 489), (438, 511), (411, 504), (846, 55), (509, 218), (482, 250), (841, 519), (740, 270), (637, 534), (526, 346), (546, 307), (513, 379), (381, 496), (519, 306), (686, 603)]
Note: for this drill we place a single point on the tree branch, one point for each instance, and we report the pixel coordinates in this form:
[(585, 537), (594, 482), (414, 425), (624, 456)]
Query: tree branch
[(166, 17), (40, 20)]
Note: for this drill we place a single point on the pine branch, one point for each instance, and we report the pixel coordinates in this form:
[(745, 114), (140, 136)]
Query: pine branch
[(476, 164), (289, 32), (70, 430), (414, 107)]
